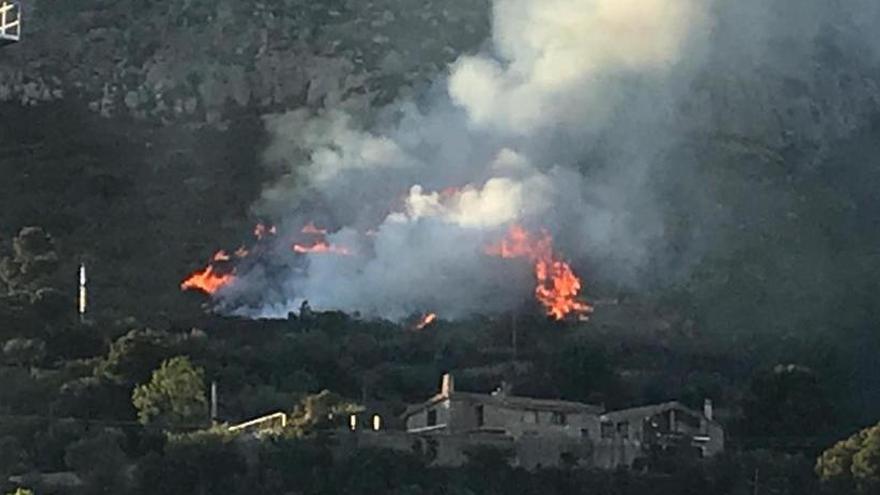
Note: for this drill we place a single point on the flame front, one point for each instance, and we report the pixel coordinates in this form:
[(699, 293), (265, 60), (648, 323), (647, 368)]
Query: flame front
[(218, 274), (209, 280), (426, 320), (320, 244), (557, 285)]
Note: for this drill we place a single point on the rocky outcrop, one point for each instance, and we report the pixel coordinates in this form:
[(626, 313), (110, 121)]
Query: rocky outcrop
[(200, 61)]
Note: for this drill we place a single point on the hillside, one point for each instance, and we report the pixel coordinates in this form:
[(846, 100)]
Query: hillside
[(738, 261)]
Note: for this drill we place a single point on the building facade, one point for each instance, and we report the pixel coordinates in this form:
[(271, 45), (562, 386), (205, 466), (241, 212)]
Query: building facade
[(663, 430), (541, 433)]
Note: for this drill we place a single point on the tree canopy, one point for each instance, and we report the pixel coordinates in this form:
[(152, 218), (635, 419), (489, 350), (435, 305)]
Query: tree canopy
[(174, 396), (853, 463)]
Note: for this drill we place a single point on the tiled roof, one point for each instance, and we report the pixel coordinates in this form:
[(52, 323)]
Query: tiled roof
[(647, 411), (510, 402)]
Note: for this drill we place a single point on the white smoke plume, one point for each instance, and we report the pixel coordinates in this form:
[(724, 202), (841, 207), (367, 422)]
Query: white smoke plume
[(416, 192), (553, 58)]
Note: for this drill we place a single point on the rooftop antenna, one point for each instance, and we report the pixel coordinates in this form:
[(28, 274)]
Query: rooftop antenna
[(10, 22)]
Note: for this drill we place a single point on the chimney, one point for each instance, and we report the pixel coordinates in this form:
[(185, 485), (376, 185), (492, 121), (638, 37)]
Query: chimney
[(708, 410), (448, 385)]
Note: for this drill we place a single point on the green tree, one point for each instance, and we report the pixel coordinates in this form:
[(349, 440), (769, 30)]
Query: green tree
[(134, 356), (99, 460), (853, 463), (787, 401), (34, 263), (322, 410), (24, 352), (174, 396), (582, 372)]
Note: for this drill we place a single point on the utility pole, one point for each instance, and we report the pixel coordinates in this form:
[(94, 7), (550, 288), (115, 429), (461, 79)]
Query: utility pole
[(755, 483), (213, 403), (82, 295)]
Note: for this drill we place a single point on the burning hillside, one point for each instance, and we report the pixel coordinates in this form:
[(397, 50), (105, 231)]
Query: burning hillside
[(492, 188), (558, 286), (215, 276)]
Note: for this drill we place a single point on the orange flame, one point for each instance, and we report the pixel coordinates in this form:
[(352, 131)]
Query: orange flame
[(208, 280), (426, 320), (558, 286), (213, 278), (320, 245)]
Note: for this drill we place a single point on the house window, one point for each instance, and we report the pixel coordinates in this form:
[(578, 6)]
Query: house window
[(531, 417), (558, 418), (432, 417), (623, 429), (481, 420), (607, 430)]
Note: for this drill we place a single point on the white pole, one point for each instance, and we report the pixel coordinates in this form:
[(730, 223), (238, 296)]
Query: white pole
[(213, 402), (82, 300)]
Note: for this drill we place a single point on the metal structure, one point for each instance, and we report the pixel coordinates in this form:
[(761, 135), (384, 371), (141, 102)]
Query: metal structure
[(10, 22), (263, 423)]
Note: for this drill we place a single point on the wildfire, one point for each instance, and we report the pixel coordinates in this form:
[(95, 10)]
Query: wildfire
[(218, 274), (557, 285), (209, 280), (426, 320), (320, 244)]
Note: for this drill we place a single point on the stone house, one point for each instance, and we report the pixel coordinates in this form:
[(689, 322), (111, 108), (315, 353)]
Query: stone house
[(541, 433), (454, 412), (669, 429)]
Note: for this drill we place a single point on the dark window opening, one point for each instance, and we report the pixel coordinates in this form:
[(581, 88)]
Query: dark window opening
[(481, 420), (559, 418), (687, 419), (432, 417), (607, 430), (623, 430)]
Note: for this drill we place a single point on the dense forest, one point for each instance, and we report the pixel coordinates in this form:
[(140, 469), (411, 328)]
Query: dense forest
[(132, 137)]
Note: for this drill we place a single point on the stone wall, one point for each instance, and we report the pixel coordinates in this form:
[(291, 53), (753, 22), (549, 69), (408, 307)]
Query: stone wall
[(529, 452)]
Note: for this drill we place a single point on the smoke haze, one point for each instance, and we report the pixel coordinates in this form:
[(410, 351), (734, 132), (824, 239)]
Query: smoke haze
[(580, 117)]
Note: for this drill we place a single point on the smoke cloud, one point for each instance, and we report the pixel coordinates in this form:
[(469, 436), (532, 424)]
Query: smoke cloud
[(578, 117)]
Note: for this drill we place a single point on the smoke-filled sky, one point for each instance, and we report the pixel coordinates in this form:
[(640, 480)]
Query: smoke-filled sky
[(577, 116)]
